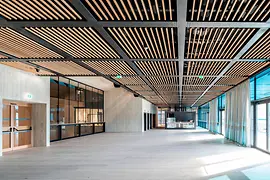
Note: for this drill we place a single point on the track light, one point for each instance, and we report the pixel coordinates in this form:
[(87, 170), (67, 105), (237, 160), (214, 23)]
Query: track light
[(37, 70)]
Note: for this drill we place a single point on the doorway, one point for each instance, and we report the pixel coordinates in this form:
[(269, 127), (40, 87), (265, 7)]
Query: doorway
[(16, 126), (145, 123)]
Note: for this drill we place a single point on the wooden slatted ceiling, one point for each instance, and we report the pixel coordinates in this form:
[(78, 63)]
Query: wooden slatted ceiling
[(216, 43), (260, 49), (133, 80), (80, 42), (194, 88), (25, 67), (68, 68), (139, 87), (146, 43), (204, 68), (197, 80), (244, 68), (13, 43), (147, 93), (228, 10), (154, 99), (230, 81), (169, 88), (111, 67), (168, 93), (158, 67), (38, 10), (132, 10), (163, 80)]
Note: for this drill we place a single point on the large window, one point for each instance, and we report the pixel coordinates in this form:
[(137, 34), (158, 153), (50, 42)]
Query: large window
[(203, 116), (260, 86), (73, 102)]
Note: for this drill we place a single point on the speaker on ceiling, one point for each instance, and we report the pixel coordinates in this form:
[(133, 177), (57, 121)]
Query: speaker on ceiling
[(116, 85)]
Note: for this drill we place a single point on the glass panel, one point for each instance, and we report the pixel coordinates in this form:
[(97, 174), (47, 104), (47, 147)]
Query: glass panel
[(22, 116), (73, 100), (53, 100), (261, 126), (63, 100), (252, 90), (81, 95), (54, 133), (263, 85)]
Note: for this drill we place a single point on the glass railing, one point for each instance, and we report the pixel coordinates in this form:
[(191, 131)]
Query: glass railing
[(65, 131)]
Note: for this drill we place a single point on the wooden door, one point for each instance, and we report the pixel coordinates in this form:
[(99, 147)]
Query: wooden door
[(16, 126)]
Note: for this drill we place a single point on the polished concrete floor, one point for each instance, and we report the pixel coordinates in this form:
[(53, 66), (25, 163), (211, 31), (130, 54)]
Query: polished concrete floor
[(156, 154)]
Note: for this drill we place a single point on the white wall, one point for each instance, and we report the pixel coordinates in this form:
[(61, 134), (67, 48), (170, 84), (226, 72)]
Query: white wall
[(15, 84), (124, 112)]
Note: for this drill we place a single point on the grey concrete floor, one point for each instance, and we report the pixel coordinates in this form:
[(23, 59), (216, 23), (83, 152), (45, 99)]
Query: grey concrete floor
[(156, 154)]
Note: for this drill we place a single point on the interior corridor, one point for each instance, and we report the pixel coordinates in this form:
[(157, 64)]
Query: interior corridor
[(156, 154)]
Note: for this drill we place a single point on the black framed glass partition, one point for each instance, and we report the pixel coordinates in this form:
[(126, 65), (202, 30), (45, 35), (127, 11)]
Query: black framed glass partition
[(76, 109)]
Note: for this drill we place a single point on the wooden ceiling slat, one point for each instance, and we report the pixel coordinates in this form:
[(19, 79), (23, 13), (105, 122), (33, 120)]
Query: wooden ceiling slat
[(259, 48), (139, 37), (111, 67), (94, 9), (250, 10), (82, 42), (106, 9), (150, 40), (228, 10), (126, 10), (157, 9), (119, 9), (138, 9), (132, 10), (16, 44)]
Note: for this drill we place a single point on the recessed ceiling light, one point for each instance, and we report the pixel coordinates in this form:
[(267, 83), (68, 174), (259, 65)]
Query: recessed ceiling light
[(146, 47)]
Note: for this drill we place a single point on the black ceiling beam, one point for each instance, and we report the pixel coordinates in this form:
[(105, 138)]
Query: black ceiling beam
[(181, 28)]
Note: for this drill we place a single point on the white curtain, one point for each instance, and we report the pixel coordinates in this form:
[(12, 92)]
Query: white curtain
[(237, 127), (213, 115)]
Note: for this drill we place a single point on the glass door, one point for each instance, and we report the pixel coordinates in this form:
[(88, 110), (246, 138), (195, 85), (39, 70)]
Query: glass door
[(16, 126), (261, 126)]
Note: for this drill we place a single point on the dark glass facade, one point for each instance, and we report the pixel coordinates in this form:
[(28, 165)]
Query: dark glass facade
[(75, 109)]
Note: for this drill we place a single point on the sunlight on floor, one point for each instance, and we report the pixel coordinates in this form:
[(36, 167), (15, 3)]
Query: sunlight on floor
[(232, 161)]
